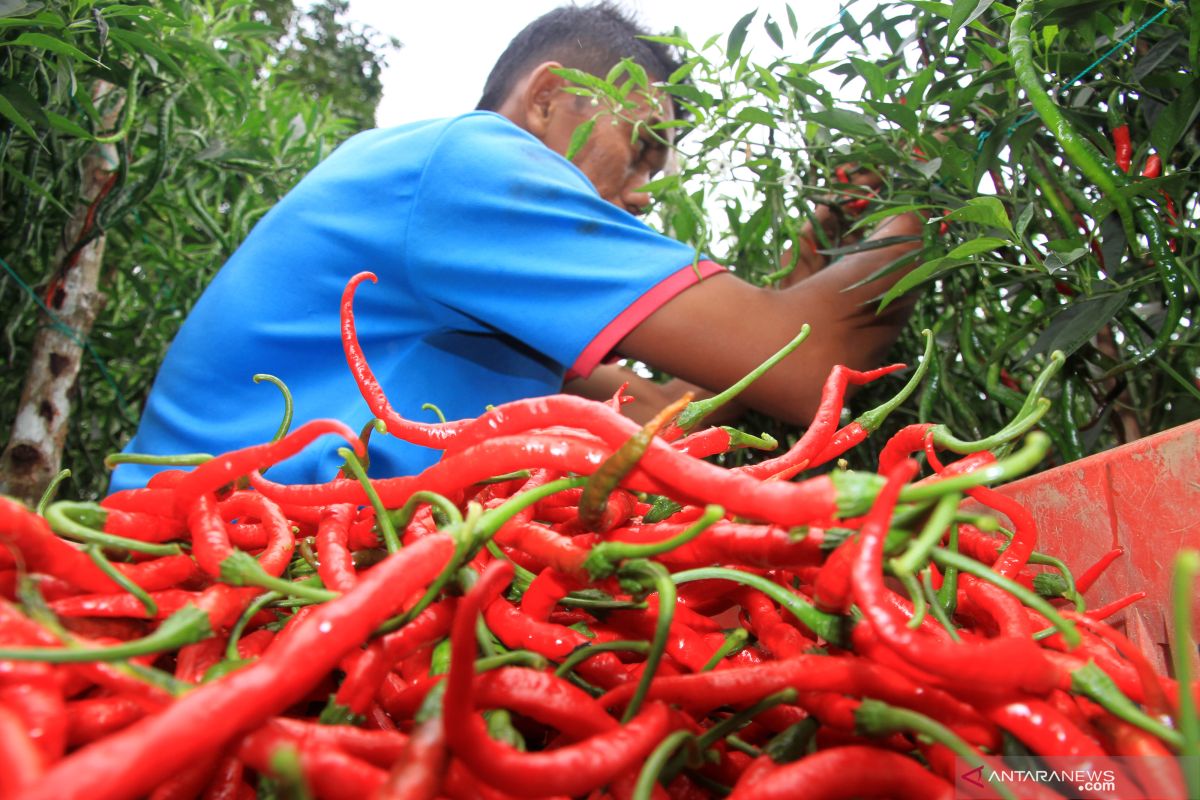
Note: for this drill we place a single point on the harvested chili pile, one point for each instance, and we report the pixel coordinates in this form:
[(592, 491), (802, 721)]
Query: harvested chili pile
[(568, 604)]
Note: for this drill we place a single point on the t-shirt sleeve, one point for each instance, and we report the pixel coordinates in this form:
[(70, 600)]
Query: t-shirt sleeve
[(507, 236)]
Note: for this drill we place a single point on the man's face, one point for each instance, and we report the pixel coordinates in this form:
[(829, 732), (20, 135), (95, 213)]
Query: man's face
[(616, 160)]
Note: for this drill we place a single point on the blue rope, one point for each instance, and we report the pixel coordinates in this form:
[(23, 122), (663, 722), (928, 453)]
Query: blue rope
[(1085, 71), (70, 333)]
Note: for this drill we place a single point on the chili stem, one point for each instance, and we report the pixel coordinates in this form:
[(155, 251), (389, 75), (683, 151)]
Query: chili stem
[(382, 520), (96, 554), (667, 598), (189, 624), (1187, 564), (830, 627), (70, 520)]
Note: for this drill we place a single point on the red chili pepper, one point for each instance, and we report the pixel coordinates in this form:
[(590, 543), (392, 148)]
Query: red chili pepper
[(335, 563), (726, 542), (22, 764), (906, 441), (223, 470), (829, 411), (419, 772), (1122, 147), (205, 719), (843, 772), (996, 663), (1093, 573), (1109, 609), (427, 435), (543, 697), (572, 769)]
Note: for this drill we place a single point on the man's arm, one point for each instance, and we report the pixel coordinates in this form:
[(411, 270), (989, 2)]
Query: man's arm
[(716, 331)]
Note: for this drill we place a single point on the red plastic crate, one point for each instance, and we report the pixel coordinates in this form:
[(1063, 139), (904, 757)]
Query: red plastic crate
[(1143, 496)]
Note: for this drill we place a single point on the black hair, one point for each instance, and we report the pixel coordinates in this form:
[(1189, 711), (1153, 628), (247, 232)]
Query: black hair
[(591, 38)]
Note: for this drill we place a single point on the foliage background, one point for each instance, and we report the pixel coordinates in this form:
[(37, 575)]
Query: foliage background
[(1022, 254), (227, 104)]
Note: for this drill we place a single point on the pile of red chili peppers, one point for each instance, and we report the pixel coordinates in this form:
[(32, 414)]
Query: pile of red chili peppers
[(567, 604)]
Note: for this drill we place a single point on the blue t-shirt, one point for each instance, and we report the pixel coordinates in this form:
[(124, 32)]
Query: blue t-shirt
[(500, 268)]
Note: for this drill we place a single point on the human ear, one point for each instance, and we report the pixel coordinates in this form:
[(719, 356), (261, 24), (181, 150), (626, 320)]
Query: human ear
[(541, 96)]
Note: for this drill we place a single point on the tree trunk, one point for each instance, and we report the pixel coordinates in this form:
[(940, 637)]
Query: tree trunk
[(34, 452)]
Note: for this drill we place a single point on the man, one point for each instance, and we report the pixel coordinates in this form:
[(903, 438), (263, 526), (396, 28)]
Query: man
[(504, 269)]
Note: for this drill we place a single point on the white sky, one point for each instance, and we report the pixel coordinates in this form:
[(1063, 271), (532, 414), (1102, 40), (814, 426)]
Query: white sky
[(450, 45)]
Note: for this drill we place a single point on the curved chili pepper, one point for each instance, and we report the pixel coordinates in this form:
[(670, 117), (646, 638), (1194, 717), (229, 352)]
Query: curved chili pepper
[(997, 663), (225, 469), (543, 594), (205, 719), (726, 542), (95, 717), (1107, 610), (848, 771), (544, 697), (572, 769), (829, 410), (1093, 573)]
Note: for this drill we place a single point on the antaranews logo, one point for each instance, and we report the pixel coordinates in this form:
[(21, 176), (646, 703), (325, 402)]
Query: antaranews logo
[(1120, 778)]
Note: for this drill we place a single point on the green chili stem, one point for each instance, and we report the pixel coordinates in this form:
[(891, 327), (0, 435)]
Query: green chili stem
[(1187, 565), (239, 568), (61, 515), (382, 520), (735, 640), (829, 627), (178, 460), (919, 548), (876, 718), (872, 419), (189, 624), (916, 595), (603, 559), (493, 519), (286, 422), (945, 558), (663, 584), (1037, 444), (1071, 593), (656, 761), (96, 554), (742, 718), (519, 658), (577, 657), (1094, 683), (695, 412), (235, 633), (403, 516), (935, 605), (51, 490)]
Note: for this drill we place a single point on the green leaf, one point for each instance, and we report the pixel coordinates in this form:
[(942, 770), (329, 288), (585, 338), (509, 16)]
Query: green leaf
[(1060, 261), (890, 211), (1076, 324), (579, 138), (773, 30), (1024, 219), (1159, 53), (873, 75), (24, 103), (1176, 118), (737, 37), (757, 116), (901, 115), (984, 244), (67, 126), (919, 276), (965, 12), (985, 210), (793, 23), (46, 42), (1048, 35), (16, 8), (9, 111), (841, 119)]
